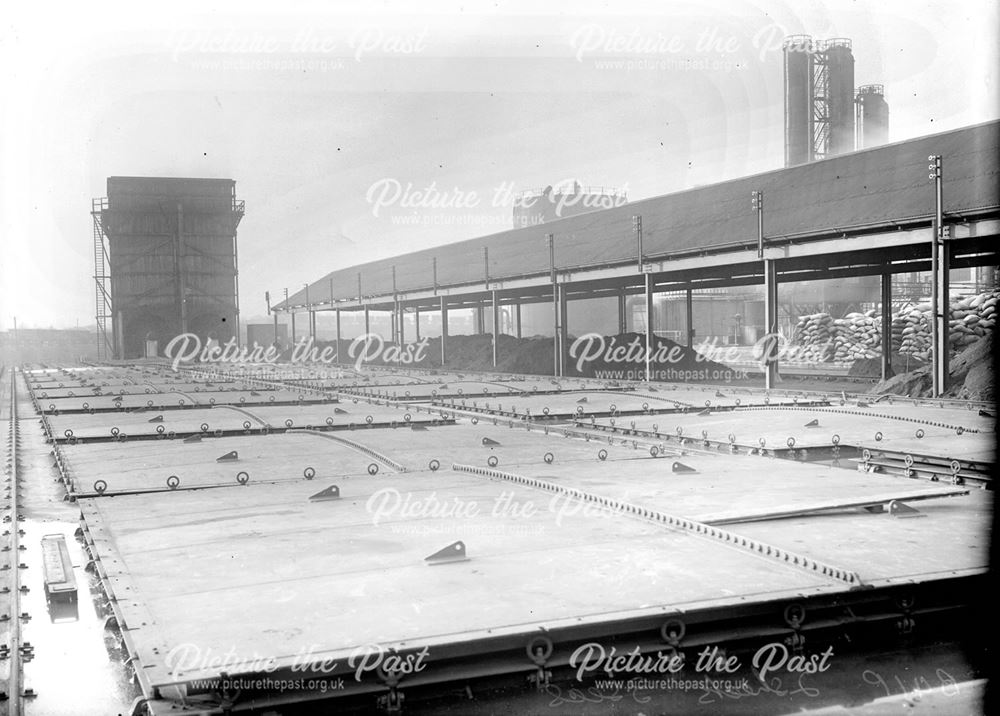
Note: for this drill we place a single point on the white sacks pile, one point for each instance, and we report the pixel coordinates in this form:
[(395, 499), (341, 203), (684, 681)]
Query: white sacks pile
[(859, 335), (813, 338), (819, 337)]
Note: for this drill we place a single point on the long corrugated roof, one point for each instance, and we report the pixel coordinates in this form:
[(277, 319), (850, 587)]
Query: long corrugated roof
[(883, 184)]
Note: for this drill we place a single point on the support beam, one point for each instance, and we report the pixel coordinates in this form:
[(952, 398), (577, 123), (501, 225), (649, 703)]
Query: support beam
[(886, 326), (416, 324), (555, 303), (622, 312), (649, 324), (937, 356), (479, 320), (444, 330), (293, 328), (336, 312), (563, 330), (689, 317), (368, 326), (770, 324), (496, 328), (275, 327), (517, 318), (943, 348), (555, 329)]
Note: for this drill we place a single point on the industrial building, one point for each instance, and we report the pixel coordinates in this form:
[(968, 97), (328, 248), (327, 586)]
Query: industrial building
[(165, 262), (404, 519)]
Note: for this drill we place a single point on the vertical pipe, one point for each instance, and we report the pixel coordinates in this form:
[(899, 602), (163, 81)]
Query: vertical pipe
[(649, 324), (236, 287), (886, 326), (309, 317), (416, 323), (479, 319), (563, 329), (555, 303), (770, 324), (496, 328), (689, 317), (622, 312), (293, 328), (944, 304), (444, 330), (275, 328), (336, 313), (936, 356), (517, 317), (637, 228)]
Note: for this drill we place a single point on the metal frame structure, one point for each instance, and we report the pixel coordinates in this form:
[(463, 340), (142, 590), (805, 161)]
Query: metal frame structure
[(104, 310), (889, 245), (109, 330)]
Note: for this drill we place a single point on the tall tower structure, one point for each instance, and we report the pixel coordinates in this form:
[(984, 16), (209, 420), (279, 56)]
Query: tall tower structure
[(798, 62), (872, 117), (819, 98), (166, 262)]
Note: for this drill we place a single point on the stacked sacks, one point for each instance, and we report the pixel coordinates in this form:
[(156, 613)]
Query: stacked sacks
[(821, 338), (916, 332), (813, 338), (970, 319), (858, 336)]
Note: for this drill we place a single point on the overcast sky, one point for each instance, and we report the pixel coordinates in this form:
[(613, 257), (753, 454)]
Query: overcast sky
[(324, 117)]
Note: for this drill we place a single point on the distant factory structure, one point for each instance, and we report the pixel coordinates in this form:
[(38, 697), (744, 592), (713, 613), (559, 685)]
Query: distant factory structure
[(165, 263), (824, 115)]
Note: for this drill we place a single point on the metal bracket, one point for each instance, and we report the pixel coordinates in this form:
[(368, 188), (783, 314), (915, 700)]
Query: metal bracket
[(899, 509), (330, 493), (228, 457), (681, 467), (455, 552)]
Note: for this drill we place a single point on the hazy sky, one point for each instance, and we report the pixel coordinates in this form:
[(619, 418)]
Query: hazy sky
[(324, 116)]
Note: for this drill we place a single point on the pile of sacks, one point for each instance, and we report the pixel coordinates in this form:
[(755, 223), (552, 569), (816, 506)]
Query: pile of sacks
[(969, 320), (819, 337), (859, 335), (813, 338)]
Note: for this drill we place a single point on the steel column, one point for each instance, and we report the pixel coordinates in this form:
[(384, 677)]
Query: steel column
[(416, 324), (886, 326), (770, 324), (649, 324), (943, 348), (563, 329), (293, 328), (555, 303), (336, 313), (689, 317), (496, 328), (517, 317), (934, 168), (622, 313), (444, 329)]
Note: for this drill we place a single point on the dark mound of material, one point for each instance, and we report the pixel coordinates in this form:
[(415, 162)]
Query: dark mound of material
[(971, 376), (872, 367)]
